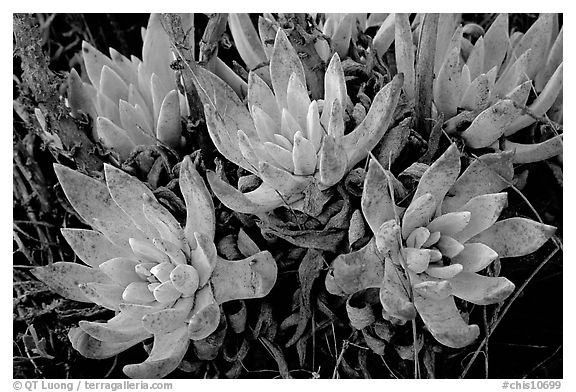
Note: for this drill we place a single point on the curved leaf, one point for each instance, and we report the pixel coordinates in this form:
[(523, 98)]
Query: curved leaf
[(199, 206), (167, 353), (127, 191), (252, 277), (377, 205), (91, 199), (92, 247), (515, 236), (481, 290), (63, 278), (359, 270)]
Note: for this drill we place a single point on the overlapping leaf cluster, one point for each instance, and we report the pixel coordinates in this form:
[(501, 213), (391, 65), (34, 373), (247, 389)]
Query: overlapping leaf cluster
[(166, 281)]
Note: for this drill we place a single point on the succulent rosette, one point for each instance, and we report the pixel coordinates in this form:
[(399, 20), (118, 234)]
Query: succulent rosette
[(482, 88), (164, 281), (425, 256), (131, 101), (288, 140)]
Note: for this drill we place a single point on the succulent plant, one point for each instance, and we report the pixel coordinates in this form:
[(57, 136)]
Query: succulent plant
[(131, 101), (161, 280), (422, 257), (488, 83), (343, 28), (288, 140)]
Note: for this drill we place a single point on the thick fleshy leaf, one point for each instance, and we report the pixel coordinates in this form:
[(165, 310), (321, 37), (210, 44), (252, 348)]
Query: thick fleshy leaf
[(162, 271), (342, 33), (92, 247), (332, 161), (167, 353), (157, 54), (119, 329), (484, 210), (377, 205), (199, 206), (252, 277), (360, 312), (496, 42), (388, 240), (521, 93), (137, 292), (418, 238), (359, 270), (168, 127), (260, 95), (205, 315), (298, 100), (555, 57), (364, 138), (444, 321), (418, 214), (384, 36), (121, 270), (475, 60), (528, 153), (541, 104), (168, 320), (314, 129), (434, 289), (174, 252), (147, 252), (405, 49), (303, 156), (432, 239), (334, 88), (166, 293), (246, 39), (514, 75), (489, 125), (135, 122), (451, 223), (96, 349), (477, 94), (267, 30), (264, 198), (163, 220), (225, 115), (81, 96), (126, 191), (416, 259), (537, 38), (63, 278), (114, 137), (336, 121), (515, 236), (112, 85), (281, 156), (449, 246), (94, 61), (447, 84), (475, 257), (288, 125), (481, 290), (106, 295), (203, 258), (185, 279), (283, 63), (447, 26), (394, 294), (440, 176), (284, 182), (489, 174)]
